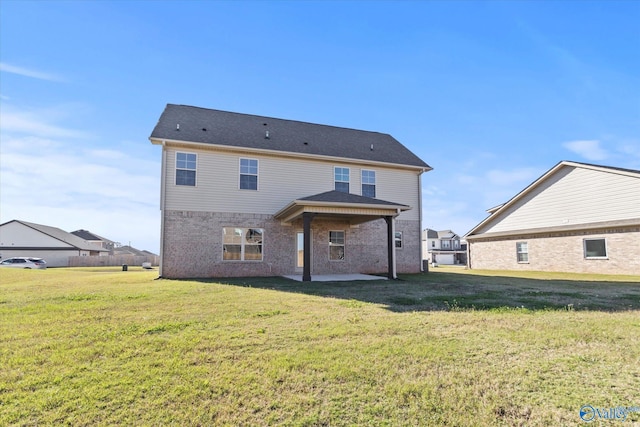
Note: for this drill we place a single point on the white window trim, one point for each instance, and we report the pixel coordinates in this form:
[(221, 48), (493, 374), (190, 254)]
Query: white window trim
[(257, 174), (584, 248), (518, 252), (401, 240), (242, 245), (344, 245), (176, 168), (375, 182), (347, 182)]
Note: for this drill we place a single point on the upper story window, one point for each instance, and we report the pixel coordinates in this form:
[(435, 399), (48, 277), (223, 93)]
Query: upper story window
[(341, 178), (446, 244), (595, 248), (186, 169), (456, 244), (248, 174), (369, 183)]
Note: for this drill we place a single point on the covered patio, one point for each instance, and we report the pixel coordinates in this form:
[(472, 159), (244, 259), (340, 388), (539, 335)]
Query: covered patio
[(350, 207)]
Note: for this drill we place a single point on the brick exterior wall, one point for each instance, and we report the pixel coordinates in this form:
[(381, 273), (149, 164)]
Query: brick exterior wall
[(193, 246), (561, 252)]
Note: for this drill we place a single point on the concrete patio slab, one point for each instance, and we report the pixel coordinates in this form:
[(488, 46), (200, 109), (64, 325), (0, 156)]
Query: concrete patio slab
[(336, 277)]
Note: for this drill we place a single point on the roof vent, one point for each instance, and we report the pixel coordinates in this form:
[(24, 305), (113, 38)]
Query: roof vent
[(178, 126), (204, 129), (266, 135), (371, 147)]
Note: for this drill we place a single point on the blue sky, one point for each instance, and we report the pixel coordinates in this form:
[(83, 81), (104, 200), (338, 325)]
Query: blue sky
[(490, 94)]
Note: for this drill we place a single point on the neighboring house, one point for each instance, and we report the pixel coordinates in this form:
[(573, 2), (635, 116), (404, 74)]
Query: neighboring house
[(128, 250), (443, 247), (114, 248), (55, 246), (244, 195), (576, 218), (96, 240)]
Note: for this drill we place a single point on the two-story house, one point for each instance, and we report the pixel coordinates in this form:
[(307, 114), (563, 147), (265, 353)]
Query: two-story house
[(244, 195), (94, 239), (443, 247)]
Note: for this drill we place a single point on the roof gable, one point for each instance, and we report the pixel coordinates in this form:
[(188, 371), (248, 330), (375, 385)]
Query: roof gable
[(447, 234), (568, 195), (235, 130), (87, 235), (52, 236)]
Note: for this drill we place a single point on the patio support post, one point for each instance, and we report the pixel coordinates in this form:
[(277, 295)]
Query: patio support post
[(307, 217), (391, 247)]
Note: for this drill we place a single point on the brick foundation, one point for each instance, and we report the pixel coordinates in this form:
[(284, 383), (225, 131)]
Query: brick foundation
[(561, 252), (193, 246)]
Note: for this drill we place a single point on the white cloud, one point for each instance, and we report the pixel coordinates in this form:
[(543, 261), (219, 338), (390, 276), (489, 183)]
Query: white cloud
[(8, 68), (630, 148), (589, 149), (512, 177), (433, 190), (469, 195), (64, 181), (38, 123)]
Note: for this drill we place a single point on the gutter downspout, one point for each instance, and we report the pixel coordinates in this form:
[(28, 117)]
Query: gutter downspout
[(420, 219), (163, 190)]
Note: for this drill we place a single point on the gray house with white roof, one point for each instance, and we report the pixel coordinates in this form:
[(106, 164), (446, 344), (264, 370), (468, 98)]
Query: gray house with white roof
[(246, 195)]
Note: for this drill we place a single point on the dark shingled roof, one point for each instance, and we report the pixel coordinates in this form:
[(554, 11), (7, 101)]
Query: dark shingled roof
[(342, 197), (606, 167), (84, 234), (217, 127)]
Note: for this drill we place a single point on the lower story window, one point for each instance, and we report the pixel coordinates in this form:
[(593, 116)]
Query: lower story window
[(242, 244), (595, 248), (398, 239), (336, 245), (522, 250)]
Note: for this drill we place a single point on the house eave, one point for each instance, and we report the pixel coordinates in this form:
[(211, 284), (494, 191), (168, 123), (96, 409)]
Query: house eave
[(49, 248), (288, 154), (635, 222), (355, 213)]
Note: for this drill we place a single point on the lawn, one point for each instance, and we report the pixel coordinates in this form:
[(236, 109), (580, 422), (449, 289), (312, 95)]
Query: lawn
[(452, 347)]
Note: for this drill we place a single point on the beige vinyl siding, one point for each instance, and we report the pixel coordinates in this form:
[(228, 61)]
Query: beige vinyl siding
[(573, 196), (280, 181), (17, 234), (399, 186)]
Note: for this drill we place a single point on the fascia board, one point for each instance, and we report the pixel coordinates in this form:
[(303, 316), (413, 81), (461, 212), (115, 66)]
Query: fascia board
[(291, 154)]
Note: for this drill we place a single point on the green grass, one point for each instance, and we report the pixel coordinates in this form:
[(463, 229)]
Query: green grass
[(452, 347)]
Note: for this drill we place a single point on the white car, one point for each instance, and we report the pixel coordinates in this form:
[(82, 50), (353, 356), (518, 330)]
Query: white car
[(24, 262)]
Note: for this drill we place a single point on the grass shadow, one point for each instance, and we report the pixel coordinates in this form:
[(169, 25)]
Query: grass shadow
[(445, 291)]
